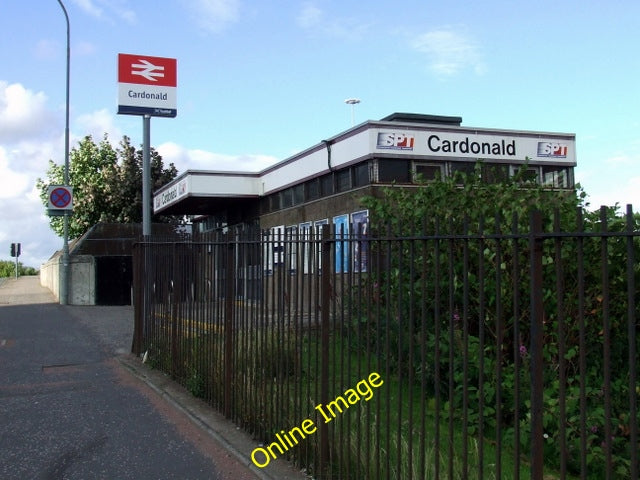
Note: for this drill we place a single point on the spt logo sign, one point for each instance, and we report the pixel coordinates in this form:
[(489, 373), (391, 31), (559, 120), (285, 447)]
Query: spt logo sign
[(395, 141), (552, 149)]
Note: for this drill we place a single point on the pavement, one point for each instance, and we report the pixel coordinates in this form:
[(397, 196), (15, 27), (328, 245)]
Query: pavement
[(75, 404)]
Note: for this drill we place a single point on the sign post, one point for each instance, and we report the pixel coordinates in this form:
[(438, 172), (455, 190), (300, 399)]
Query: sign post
[(147, 86)]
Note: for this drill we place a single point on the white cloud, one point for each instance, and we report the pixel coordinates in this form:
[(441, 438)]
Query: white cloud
[(84, 49), (213, 16), (22, 113), (30, 135), (47, 49), (106, 9), (89, 7), (314, 20), (185, 159), (623, 159), (449, 51), (97, 124), (626, 191), (310, 16), (12, 183)]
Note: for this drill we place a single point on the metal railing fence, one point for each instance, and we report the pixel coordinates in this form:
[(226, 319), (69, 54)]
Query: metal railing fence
[(487, 350)]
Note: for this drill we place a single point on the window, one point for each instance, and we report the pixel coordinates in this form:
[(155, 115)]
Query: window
[(312, 190), (392, 170), (462, 168), (557, 177), (527, 175), (275, 202), (287, 198), (427, 172), (326, 185), (495, 173), (361, 175), (298, 194), (343, 180)]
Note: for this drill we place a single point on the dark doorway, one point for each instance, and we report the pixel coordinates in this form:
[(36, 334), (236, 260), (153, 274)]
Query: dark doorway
[(113, 280)]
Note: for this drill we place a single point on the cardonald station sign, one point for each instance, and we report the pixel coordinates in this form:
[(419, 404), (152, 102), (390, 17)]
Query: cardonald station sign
[(147, 85), (170, 195), (478, 146)]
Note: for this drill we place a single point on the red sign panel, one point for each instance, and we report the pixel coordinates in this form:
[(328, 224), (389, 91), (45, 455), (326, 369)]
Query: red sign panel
[(145, 70)]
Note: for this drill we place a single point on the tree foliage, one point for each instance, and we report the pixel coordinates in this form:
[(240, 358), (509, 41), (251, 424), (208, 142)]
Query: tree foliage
[(107, 184), (8, 269)]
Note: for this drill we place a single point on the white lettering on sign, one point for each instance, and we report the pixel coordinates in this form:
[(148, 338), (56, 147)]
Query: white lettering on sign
[(171, 195)]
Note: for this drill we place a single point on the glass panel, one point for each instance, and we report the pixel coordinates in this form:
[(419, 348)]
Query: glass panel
[(528, 175), (326, 185), (298, 194), (393, 171), (361, 175), (427, 172), (312, 190), (464, 168), (343, 180), (275, 202), (287, 198), (557, 177), (492, 173)]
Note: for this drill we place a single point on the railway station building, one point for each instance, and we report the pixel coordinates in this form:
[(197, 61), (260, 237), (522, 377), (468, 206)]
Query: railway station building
[(324, 183)]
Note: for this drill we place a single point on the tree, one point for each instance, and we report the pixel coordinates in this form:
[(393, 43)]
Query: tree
[(107, 184), (8, 269)]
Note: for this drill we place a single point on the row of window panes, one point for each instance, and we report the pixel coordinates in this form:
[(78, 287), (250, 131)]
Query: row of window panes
[(338, 181), (407, 172)]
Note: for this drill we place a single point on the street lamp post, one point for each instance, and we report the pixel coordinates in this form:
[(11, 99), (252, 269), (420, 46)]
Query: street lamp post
[(353, 102), (64, 275)]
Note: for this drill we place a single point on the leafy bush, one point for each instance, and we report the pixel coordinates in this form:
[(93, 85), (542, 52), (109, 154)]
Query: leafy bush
[(8, 269), (451, 302)]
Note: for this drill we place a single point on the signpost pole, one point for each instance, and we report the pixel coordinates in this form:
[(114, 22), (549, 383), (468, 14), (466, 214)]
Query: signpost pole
[(64, 272), (146, 175)]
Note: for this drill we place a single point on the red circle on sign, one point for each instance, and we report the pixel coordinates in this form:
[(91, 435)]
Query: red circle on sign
[(60, 197)]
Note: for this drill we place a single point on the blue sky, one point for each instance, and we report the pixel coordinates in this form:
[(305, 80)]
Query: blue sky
[(260, 80)]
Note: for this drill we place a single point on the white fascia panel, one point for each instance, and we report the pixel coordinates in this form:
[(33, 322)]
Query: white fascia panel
[(316, 162), (224, 184)]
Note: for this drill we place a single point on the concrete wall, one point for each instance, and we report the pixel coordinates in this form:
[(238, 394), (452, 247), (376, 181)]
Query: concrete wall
[(82, 279), (49, 276)]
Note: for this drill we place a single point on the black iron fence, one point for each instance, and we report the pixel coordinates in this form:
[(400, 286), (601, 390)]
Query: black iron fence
[(462, 351)]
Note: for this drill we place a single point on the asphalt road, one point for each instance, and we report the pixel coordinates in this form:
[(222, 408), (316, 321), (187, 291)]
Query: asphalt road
[(69, 410)]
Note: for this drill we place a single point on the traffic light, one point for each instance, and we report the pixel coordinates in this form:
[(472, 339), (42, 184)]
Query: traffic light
[(15, 249)]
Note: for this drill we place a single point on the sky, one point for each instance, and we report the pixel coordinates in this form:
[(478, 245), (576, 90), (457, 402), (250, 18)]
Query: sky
[(260, 80)]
